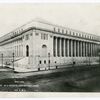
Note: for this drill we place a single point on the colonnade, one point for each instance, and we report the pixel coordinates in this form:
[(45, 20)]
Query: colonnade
[(64, 47)]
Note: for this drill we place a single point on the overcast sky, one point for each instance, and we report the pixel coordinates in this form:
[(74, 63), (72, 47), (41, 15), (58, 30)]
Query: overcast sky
[(83, 17)]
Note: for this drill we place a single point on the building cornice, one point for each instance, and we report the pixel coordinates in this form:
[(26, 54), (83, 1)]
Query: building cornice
[(12, 37)]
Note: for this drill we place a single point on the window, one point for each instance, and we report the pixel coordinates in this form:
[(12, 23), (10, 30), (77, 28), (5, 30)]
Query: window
[(36, 33), (54, 29), (27, 51), (49, 61), (31, 34), (15, 32), (22, 37), (62, 31), (70, 33), (21, 29), (66, 31), (27, 37), (18, 31), (51, 36), (44, 50), (44, 36), (44, 61), (40, 62), (41, 36), (47, 36), (58, 30), (73, 33)]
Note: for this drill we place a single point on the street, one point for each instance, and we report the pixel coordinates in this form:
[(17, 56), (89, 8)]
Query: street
[(76, 79)]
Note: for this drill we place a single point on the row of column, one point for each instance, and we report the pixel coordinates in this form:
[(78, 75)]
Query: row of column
[(18, 50), (73, 48)]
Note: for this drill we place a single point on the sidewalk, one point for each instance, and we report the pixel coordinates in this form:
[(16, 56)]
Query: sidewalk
[(5, 69), (11, 74)]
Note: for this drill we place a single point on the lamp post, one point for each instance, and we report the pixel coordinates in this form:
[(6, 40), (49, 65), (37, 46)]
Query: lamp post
[(89, 59), (99, 57), (38, 63), (49, 60), (2, 59), (13, 61)]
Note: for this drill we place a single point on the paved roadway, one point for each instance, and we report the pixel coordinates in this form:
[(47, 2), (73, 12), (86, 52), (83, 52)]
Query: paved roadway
[(77, 79)]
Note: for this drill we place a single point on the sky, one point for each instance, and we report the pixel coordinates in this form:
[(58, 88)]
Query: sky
[(83, 17)]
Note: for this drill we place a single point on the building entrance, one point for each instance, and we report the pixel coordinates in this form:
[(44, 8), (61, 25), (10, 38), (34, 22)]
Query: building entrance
[(27, 51), (44, 50)]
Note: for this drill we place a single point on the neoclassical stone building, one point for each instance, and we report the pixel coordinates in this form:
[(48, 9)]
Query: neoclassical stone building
[(39, 45)]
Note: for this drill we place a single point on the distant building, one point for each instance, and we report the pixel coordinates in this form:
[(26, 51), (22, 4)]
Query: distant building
[(39, 44)]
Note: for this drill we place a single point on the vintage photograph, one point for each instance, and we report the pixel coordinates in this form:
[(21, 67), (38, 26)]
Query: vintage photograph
[(49, 47)]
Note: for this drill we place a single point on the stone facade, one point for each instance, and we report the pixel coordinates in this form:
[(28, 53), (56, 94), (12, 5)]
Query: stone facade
[(42, 45)]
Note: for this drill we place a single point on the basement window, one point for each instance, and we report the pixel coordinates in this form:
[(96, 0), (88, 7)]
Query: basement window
[(40, 62), (44, 61)]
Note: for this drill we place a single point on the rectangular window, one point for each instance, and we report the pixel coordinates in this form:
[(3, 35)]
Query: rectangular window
[(31, 34), (62, 31), (44, 36), (54, 46), (70, 33), (27, 37), (41, 36), (66, 32), (47, 36), (73, 33), (54, 29), (36, 33), (58, 30)]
